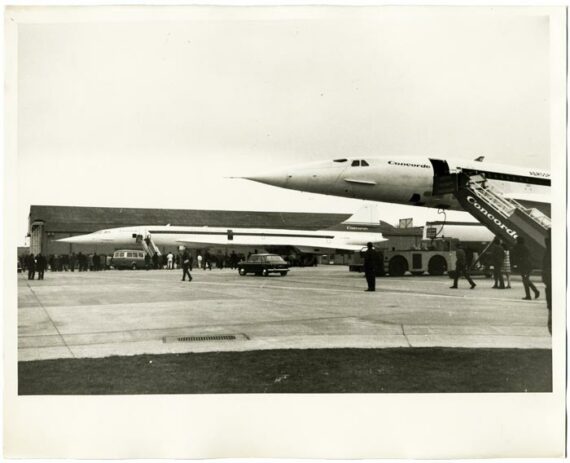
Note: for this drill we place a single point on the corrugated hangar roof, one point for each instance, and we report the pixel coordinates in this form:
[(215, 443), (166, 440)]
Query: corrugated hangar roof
[(88, 219)]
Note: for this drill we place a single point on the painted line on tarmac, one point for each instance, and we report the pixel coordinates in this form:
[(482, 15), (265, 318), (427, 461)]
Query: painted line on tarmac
[(381, 291), (50, 319), (264, 285)]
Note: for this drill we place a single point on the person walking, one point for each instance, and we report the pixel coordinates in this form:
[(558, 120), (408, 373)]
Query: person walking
[(497, 258), (521, 259), (31, 264), (41, 264), (186, 266), (169, 261), (461, 268), (370, 260)]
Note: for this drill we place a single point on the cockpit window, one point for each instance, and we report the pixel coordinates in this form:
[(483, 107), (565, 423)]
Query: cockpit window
[(355, 164), (364, 163), (340, 160)]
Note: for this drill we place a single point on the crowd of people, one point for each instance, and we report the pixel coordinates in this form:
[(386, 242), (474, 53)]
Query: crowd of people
[(204, 261), (62, 263), (97, 262)]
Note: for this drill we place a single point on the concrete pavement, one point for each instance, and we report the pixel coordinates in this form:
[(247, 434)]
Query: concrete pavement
[(98, 314)]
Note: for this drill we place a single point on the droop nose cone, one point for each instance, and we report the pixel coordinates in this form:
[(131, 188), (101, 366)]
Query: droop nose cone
[(278, 179), (76, 239)]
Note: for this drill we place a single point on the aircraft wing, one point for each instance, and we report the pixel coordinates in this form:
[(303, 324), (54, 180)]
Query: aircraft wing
[(309, 244)]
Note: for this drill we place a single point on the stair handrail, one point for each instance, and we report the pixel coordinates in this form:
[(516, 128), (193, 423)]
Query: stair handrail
[(506, 206)]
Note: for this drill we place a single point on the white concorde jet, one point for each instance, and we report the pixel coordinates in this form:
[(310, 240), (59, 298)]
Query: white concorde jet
[(409, 180), (345, 236)]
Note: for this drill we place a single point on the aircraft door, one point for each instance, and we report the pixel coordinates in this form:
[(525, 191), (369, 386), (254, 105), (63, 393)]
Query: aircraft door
[(440, 167)]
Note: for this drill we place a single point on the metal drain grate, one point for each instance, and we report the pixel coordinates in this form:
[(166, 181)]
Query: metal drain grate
[(206, 338), (215, 337)]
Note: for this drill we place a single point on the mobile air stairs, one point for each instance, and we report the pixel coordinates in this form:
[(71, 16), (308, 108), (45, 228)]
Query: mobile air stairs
[(148, 244), (505, 217)]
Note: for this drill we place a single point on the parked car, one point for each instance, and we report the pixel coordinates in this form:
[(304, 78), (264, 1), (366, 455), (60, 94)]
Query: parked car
[(263, 264), (128, 258)]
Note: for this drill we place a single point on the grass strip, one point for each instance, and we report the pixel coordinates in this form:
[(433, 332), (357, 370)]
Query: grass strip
[(399, 370)]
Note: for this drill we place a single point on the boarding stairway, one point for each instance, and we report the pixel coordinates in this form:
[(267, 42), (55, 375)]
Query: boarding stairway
[(505, 217), (148, 244)]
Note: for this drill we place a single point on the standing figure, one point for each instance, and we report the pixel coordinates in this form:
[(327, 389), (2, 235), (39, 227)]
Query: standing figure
[(461, 268), (41, 265), (507, 266), (370, 259), (521, 259), (547, 278), (233, 260), (155, 261), (72, 262), (96, 262), (199, 259), (147, 261), (497, 257), (31, 264), (169, 261), (186, 266)]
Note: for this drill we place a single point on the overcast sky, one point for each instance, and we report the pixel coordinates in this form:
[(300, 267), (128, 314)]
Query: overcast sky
[(157, 113)]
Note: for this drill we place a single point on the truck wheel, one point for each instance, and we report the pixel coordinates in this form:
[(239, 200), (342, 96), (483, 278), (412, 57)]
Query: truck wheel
[(397, 266), (242, 272), (437, 265), (264, 272)]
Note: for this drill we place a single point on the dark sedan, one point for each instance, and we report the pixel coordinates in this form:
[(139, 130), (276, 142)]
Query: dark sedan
[(263, 264)]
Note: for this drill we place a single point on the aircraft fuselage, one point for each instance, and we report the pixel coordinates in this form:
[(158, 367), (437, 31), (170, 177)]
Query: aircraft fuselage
[(406, 180)]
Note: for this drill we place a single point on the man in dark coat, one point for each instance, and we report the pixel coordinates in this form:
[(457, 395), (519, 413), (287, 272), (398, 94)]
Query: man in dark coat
[(96, 262), (497, 258), (41, 265), (523, 263), (186, 266), (155, 261), (31, 265), (370, 259), (461, 268)]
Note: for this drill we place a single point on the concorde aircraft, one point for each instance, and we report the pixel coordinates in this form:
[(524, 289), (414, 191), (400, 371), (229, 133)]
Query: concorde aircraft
[(409, 180), (345, 236)]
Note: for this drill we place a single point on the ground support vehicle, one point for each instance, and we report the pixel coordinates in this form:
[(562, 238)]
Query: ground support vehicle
[(263, 264), (128, 258), (417, 262)]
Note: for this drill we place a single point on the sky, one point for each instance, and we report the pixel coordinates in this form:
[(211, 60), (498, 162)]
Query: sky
[(159, 112)]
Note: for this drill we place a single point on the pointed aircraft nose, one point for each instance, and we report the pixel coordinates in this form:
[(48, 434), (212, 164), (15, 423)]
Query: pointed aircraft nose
[(316, 177), (79, 239), (279, 178)]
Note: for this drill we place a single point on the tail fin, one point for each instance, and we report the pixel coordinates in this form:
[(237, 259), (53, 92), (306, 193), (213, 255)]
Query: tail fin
[(365, 219), (368, 213)]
